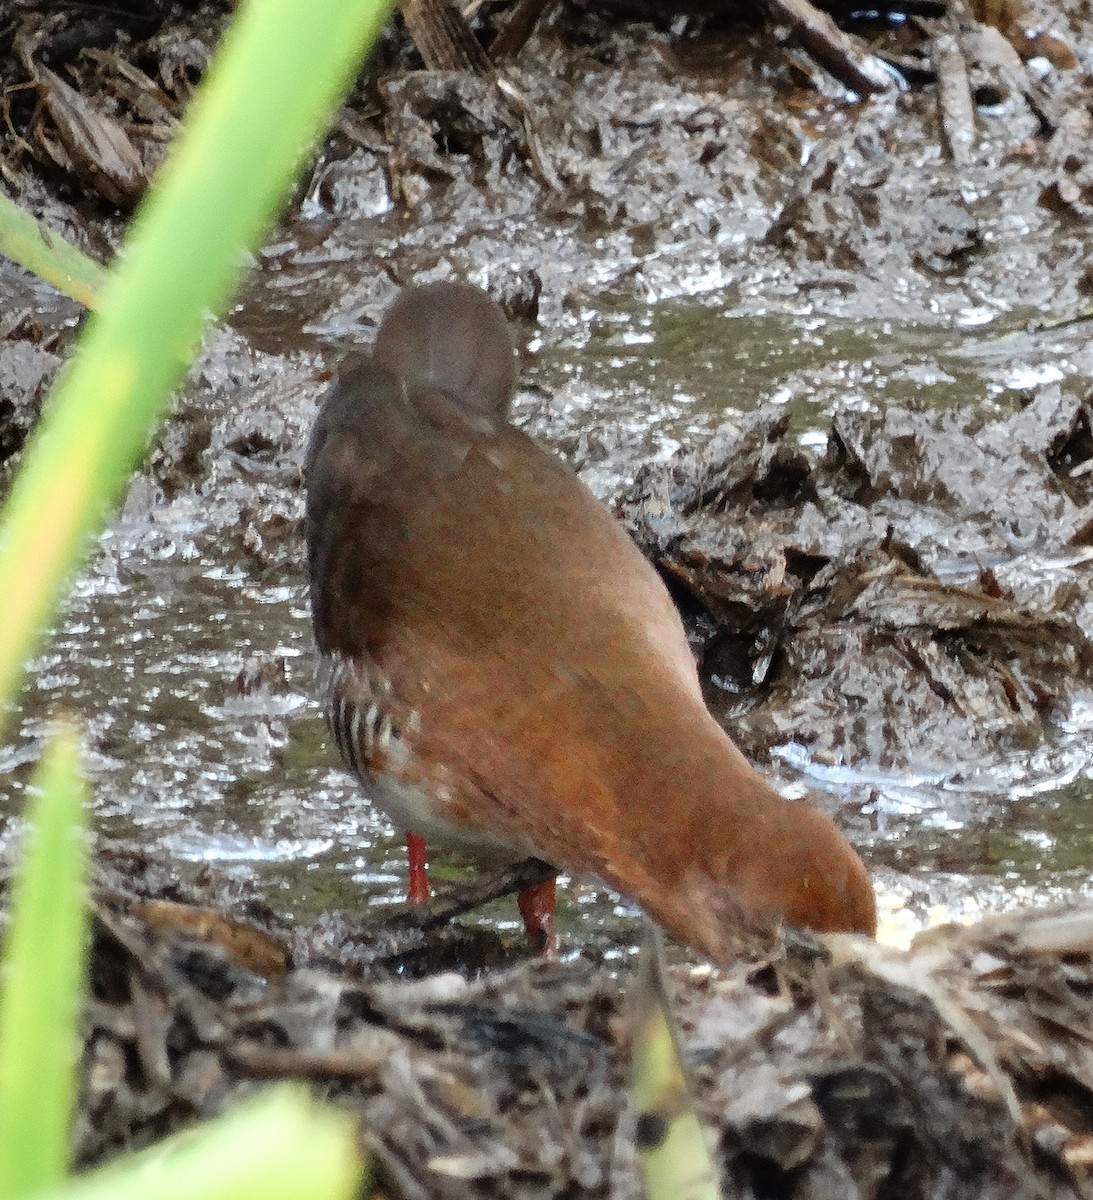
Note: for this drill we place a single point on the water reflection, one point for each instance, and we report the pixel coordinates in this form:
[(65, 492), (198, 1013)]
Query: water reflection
[(193, 674)]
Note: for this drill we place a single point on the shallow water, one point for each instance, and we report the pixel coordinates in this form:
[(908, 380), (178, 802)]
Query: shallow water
[(731, 237), (192, 670)]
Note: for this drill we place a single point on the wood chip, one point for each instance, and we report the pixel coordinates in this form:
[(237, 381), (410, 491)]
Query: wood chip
[(98, 148), (844, 56), (248, 947), (954, 97), (444, 39)]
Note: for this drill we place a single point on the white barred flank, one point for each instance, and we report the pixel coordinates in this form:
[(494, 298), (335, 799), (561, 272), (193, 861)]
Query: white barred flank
[(376, 737), (358, 714)]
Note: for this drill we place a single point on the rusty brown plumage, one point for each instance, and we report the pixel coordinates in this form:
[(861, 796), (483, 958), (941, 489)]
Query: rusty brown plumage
[(527, 683)]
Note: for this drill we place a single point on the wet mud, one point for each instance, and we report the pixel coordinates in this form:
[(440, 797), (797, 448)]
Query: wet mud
[(886, 583), (690, 223), (828, 355), (961, 1069)]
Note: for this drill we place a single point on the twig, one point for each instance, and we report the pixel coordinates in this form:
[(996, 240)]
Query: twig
[(841, 54), (443, 37), (454, 902), (525, 15)]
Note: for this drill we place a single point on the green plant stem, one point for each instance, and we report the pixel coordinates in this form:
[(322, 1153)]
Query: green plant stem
[(675, 1163), (48, 255), (283, 66), (43, 979)]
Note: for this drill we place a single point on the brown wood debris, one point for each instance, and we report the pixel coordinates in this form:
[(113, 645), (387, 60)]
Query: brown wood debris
[(963, 1068), (443, 36), (97, 109), (866, 571)]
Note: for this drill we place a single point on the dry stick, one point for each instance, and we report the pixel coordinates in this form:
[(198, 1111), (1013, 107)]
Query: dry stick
[(98, 147), (525, 15), (274, 1062), (536, 153), (841, 54), (444, 39), (443, 909), (447, 43), (954, 98)]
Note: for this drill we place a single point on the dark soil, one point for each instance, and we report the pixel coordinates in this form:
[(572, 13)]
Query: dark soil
[(960, 1070), (829, 355)]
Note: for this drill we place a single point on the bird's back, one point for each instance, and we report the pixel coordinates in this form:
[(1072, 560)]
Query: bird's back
[(533, 660)]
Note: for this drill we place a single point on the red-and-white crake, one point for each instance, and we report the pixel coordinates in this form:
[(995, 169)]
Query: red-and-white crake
[(508, 674)]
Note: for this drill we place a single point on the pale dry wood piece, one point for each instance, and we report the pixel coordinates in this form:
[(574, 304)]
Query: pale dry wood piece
[(523, 18), (444, 39), (1052, 931), (97, 147), (1023, 30), (954, 98), (275, 1062), (246, 946), (994, 52), (152, 1021), (844, 56)]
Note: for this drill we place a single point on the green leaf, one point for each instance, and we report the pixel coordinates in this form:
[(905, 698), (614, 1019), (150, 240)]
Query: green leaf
[(280, 1146), (48, 255), (43, 977), (282, 68), (671, 1149)]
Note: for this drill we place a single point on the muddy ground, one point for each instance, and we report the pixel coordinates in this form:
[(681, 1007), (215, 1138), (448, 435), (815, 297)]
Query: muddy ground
[(827, 353), (962, 1070), (691, 223)]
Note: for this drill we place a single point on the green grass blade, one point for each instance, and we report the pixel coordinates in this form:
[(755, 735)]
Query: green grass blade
[(43, 978), (672, 1152), (48, 255), (283, 66), (281, 1146)]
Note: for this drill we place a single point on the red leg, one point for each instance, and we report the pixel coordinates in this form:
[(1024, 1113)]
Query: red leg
[(537, 909), (418, 891)]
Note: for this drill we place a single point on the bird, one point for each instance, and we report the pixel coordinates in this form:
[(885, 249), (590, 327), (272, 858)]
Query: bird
[(506, 673)]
